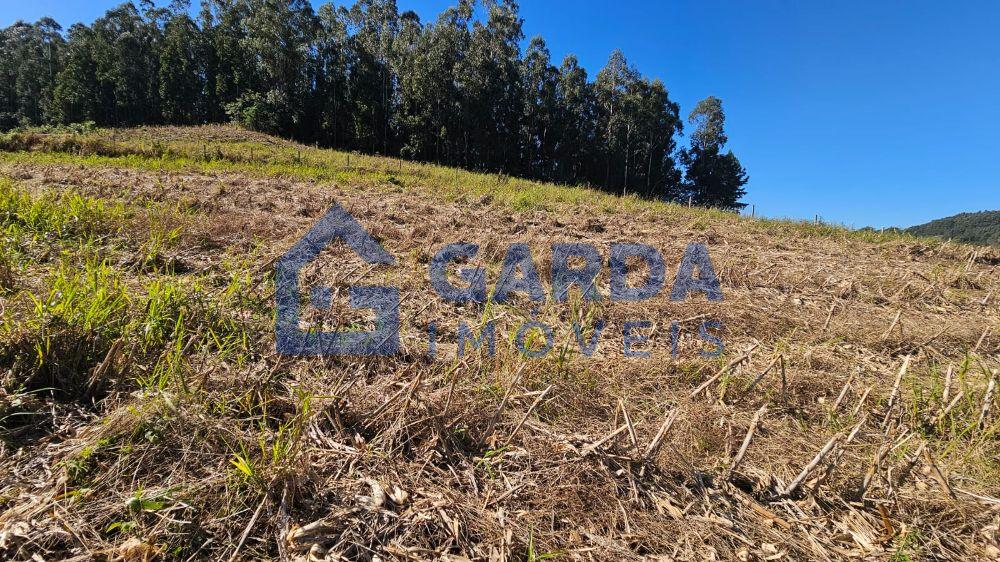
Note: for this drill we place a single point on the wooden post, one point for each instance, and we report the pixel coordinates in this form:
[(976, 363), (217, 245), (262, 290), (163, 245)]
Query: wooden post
[(689, 200), (753, 211)]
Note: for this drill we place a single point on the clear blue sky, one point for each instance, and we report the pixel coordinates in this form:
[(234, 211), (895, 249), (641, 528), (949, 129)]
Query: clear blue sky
[(866, 112)]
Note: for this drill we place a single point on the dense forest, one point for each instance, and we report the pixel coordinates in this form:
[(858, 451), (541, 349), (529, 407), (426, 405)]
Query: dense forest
[(456, 91), (973, 228)]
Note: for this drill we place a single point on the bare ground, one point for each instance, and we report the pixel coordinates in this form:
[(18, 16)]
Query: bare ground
[(851, 450)]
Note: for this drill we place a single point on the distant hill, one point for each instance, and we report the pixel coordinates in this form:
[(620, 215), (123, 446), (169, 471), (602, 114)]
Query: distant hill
[(975, 228)]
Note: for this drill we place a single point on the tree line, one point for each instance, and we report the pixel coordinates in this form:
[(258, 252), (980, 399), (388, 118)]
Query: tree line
[(982, 227), (457, 90)]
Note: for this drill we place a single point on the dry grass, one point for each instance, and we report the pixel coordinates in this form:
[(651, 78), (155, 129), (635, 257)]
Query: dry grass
[(170, 430)]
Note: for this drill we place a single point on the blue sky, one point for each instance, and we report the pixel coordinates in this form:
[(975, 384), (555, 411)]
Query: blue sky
[(867, 113)]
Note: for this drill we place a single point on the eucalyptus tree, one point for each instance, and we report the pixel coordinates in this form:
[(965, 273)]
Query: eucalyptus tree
[(712, 179), (230, 69), (125, 48), (616, 92), (438, 83), (539, 83), (374, 25), (79, 95), (329, 76), (183, 69), (409, 60), (456, 90), (9, 114), (280, 35), (30, 59), (657, 119), (490, 81), (576, 143)]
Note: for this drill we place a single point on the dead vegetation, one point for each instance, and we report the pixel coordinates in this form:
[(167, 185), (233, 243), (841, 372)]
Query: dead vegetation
[(144, 414)]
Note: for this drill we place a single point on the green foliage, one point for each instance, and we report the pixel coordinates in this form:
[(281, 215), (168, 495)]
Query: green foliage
[(92, 299), (638, 123), (56, 330), (276, 448), (66, 329), (973, 228), (712, 178), (456, 91), (30, 57), (182, 71), (60, 215), (709, 121), (77, 94)]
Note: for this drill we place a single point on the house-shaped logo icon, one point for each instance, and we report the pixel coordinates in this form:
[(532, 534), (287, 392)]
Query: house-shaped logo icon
[(290, 339)]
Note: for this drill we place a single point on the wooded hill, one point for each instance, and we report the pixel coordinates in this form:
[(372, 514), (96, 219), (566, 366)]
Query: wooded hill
[(973, 228), (457, 91)]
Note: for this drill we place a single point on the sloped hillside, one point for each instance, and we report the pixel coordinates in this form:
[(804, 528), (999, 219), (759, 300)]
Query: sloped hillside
[(972, 228), (144, 413)]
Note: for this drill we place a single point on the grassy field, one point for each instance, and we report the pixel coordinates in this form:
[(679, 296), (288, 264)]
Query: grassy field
[(145, 415)]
